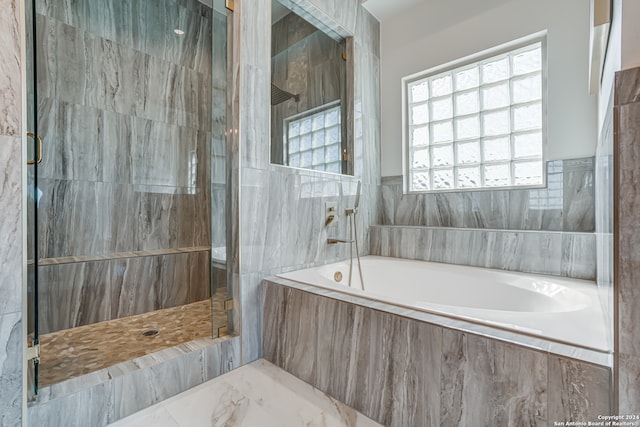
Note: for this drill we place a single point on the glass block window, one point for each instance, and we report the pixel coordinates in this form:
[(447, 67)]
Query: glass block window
[(314, 141), (479, 125)]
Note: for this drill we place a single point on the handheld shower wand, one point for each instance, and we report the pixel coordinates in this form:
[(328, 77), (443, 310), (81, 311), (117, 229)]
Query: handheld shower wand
[(351, 213)]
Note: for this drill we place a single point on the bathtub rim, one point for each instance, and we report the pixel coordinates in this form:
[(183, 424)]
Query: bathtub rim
[(552, 346)]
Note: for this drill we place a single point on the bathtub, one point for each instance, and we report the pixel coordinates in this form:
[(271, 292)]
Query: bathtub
[(558, 309)]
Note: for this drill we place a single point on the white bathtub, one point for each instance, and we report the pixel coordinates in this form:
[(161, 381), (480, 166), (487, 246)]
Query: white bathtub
[(559, 309)]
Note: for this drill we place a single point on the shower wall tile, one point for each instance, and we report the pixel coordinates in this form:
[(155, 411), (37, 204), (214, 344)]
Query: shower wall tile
[(11, 341), (281, 216), (486, 382), (402, 371), (577, 390), (554, 253), (627, 244), (83, 293), (566, 204), (146, 27), (128, 218), (99, 73)]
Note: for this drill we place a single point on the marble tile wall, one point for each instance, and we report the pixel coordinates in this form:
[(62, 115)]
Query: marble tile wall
[(126, 135), (627, 244), (567, 204), (281, 210), (108, 395), (82, 293), (11, 224), (401, 372), (556, 253)]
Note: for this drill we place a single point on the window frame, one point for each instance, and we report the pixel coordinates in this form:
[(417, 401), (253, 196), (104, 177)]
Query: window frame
[(476, 58)]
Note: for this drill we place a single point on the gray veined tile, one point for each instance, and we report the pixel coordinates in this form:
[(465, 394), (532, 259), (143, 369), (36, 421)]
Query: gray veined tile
[(11, 334), (577, 390), (150, 385), (10, 81), (11, 226), (486, 382), (89, 407)]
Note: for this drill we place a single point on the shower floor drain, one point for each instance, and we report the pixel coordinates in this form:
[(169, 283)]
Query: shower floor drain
[(150, 333)]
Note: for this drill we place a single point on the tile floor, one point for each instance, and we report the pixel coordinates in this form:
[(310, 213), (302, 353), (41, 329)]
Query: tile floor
[(78, 351), (258, 394)]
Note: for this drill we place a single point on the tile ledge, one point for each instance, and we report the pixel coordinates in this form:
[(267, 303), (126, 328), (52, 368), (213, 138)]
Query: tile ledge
[(93, 379)]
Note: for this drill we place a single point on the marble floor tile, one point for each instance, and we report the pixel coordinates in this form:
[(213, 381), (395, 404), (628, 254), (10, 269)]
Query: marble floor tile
[(258, 394)]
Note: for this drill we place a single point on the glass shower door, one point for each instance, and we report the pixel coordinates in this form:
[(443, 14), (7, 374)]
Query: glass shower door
[(34, 156)]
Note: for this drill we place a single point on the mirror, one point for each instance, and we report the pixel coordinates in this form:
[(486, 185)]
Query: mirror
[(308, 95)]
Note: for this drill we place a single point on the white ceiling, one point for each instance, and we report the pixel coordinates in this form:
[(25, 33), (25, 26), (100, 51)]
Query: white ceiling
[(384, 9)]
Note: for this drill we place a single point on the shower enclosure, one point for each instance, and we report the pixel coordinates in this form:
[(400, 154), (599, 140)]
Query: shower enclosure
[(126, 198)]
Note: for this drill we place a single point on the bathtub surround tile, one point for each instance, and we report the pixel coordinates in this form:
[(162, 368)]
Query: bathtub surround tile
[(485, 382), (110, 394), (578, 391), (553, 253), (579, 256), (566, 204), (578, 211), (338, 359), (405, 371)]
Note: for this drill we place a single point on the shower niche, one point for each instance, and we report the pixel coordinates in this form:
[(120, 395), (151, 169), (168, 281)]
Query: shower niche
[(311, 118)]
